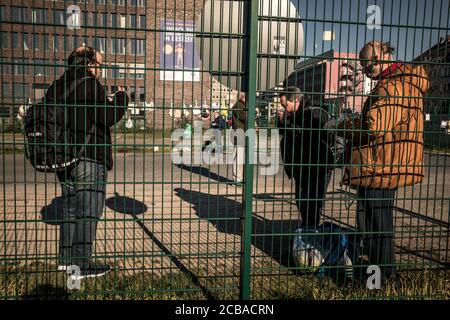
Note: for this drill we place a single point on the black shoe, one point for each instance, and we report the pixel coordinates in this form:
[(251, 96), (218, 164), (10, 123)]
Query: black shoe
[(92, 271)]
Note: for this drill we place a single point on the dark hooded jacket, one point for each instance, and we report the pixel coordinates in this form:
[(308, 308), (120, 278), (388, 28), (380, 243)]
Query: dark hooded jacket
[(88, 107), (304, 144)]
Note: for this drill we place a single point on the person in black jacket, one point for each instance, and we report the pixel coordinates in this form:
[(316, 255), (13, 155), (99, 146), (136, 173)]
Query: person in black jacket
[(89, 115), (305, 152)]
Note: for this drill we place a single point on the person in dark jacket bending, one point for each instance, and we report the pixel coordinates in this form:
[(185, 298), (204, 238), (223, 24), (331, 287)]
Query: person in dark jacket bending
[(89, 115), (305, 152)]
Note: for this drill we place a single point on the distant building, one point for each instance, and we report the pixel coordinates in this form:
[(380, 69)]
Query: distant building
[(36, 39), (436, 61), (334, 79), (222, 94)]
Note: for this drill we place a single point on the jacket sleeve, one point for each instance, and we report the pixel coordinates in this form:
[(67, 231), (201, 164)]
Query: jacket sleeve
[(108, 112)]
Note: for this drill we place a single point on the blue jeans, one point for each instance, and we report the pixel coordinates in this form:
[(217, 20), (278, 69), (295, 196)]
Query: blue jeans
[(83, 191)]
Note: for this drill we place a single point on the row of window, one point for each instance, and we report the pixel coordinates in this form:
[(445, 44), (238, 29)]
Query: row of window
[(57, 42), (47, 68), (133, 3), (21, 91), (60, 17)]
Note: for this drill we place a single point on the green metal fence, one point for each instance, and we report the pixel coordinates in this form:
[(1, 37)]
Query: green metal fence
[(191, 229)]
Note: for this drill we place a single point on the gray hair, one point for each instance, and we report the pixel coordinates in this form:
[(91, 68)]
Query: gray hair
[(292, 93)]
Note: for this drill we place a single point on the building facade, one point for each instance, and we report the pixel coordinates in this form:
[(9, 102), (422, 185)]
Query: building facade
[(136, 37), (333, 79)]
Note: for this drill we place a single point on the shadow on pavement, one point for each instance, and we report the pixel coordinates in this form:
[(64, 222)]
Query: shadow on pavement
[(126, 205), (205, 172), (270, 236)]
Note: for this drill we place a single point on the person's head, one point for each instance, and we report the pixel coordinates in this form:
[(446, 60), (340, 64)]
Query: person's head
[(375, 57), (87, 57), (290, 98), (242, 97)]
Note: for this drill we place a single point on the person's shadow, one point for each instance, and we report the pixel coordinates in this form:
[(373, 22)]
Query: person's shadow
[(126, 205), (270, 236), (134, 208), (205, 172)]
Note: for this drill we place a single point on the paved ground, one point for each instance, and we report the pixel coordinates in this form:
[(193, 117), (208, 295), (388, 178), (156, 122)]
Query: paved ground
[(162, 218)]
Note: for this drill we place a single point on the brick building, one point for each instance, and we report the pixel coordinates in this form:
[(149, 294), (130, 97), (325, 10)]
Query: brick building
[(37, 37)]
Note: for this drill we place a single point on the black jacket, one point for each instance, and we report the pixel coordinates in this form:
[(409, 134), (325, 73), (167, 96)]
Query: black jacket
[(89, 107), (303, 144)]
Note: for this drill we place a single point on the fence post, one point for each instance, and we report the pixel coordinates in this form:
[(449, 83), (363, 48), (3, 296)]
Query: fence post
[(251, 16)]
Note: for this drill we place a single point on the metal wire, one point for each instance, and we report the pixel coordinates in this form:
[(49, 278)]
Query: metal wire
[(191, 231)]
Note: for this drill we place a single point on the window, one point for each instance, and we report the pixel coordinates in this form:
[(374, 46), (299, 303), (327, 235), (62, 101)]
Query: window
[(18, 14), (123, 21), (132, 92), (69, 43), (100, 1), (118, 21), (20, 67), (138, 95), (118, 71), (133, 21), (100, 45), (137, 47), (142, 23), (58, 17), (118, 2), (20, 92), (84, 15), (118, 46), (141, 93), (56, 42), (3, 13), (114, 20), (5, 40), (39, 67), (26, 41), (36, 42), (38, 15), (5, 90), (5, 67), (15, 40), (139, 3), (102, 19), (137, 71), (46, 41)]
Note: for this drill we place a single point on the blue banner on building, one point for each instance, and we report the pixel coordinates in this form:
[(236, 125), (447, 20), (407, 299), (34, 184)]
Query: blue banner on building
[(178, 57)]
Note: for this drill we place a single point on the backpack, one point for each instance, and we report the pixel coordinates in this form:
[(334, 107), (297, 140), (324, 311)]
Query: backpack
[(49, 143)]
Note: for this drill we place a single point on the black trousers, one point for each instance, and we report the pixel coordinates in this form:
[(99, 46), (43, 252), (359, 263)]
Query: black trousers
[(375, 216), (310, 190)]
